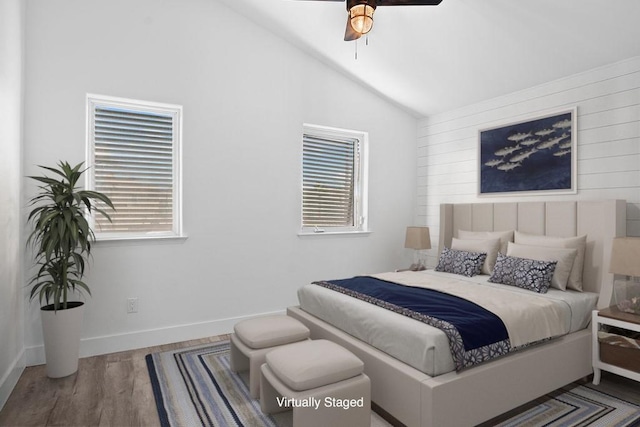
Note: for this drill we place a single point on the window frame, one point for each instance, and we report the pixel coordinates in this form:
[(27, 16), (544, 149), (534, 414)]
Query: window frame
[(93, 101), (360, 184)]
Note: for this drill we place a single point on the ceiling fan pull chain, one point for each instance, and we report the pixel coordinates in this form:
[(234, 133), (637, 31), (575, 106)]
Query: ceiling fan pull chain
[(356, 49), (366, 40)]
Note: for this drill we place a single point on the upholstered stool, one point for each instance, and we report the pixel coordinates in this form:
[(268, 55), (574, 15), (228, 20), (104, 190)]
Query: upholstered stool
[(322, 382), (253, 338)]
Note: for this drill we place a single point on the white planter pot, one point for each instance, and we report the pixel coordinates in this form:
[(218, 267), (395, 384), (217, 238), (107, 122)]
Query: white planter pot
[(61, 330)]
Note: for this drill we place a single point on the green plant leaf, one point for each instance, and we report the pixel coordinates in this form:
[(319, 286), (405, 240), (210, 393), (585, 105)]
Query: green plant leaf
[(61, 236)]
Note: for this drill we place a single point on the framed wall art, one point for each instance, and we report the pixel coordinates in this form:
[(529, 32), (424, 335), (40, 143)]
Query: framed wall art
[(533, 156)]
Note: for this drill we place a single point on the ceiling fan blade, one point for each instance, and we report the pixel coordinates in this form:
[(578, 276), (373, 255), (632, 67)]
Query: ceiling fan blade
[(349, 33), (408, 2)]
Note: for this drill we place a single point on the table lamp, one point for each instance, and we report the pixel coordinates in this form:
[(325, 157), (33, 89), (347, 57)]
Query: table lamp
[(417, 238), (625, 261)]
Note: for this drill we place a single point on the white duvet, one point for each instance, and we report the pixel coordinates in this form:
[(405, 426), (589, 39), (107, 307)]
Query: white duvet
[(528, 317)]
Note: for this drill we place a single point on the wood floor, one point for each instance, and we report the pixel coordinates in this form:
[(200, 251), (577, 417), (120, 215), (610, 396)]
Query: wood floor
[(108, 390), (114, 390)]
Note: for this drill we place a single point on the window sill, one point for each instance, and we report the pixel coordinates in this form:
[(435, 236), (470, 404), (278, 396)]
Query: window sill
[(354, 233), (139, 240)]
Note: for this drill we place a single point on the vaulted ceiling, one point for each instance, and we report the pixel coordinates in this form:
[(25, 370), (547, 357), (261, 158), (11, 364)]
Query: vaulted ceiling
[(430, 59)]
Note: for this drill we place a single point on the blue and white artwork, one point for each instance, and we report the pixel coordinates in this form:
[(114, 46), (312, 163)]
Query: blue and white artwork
[(536, 155)]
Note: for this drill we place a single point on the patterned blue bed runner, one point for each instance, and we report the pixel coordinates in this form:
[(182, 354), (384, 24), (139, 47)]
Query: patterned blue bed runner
[(475, 333)]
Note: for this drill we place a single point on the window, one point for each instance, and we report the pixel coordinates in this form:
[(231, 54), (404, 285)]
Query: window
[(333, 180), (133, 154)]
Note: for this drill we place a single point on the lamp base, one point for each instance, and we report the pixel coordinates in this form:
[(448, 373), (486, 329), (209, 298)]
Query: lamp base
[(627, 295), (417, 267)]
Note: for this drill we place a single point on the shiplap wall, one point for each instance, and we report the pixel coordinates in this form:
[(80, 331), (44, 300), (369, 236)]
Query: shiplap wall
[(608, 101)]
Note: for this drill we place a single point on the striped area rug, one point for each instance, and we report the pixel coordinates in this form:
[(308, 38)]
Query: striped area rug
[(195, 387), (578, 407)]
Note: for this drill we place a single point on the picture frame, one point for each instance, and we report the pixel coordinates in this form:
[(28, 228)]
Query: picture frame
[(533, 156)]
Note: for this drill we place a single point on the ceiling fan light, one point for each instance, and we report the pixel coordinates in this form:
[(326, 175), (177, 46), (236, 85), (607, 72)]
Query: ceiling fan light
[(361, 18)]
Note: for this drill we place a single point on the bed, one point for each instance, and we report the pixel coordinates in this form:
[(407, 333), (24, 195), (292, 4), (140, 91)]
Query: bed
[(426, 391)]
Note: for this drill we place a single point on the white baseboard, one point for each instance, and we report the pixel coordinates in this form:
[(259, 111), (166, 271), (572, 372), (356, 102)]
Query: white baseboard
[(10, 378), (147, 338)]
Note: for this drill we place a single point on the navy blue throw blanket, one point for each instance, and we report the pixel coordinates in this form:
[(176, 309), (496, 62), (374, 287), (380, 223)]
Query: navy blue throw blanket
[(475, 334)]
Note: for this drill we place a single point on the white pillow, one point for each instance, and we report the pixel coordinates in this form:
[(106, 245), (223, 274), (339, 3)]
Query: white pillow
[(579, 243), (487, 246), (565, 258), (504, 236)]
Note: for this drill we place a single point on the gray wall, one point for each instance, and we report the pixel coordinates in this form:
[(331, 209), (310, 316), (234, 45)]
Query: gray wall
[(246, 94), (11, 285)]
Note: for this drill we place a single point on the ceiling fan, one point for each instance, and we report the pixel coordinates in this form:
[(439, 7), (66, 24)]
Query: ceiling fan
[(360, 18)]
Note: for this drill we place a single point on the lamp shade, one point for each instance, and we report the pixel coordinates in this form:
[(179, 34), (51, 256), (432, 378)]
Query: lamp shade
[(625, 256), (417, 238)]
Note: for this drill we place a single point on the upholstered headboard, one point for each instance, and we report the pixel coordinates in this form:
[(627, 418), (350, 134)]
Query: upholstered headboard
[(601, 221)]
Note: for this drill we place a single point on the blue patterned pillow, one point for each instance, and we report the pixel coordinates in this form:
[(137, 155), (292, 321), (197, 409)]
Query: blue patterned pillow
[(461, 262), (524, 273)]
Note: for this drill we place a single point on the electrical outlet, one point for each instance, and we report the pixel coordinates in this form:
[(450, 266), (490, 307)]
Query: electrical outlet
[(132, 305)]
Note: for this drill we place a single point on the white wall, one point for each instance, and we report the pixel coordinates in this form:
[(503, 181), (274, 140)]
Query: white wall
[(11, 292), (608, 101), (246, 94)]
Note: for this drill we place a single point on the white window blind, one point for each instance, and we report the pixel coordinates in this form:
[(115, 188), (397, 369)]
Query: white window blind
[(331, 180), (134, 162)]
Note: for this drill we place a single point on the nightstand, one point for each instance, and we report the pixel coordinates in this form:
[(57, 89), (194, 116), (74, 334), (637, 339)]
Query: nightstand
[(627, 321)]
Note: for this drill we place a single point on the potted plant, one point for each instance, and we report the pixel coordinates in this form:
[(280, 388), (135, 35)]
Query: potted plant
[(61, 240)]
